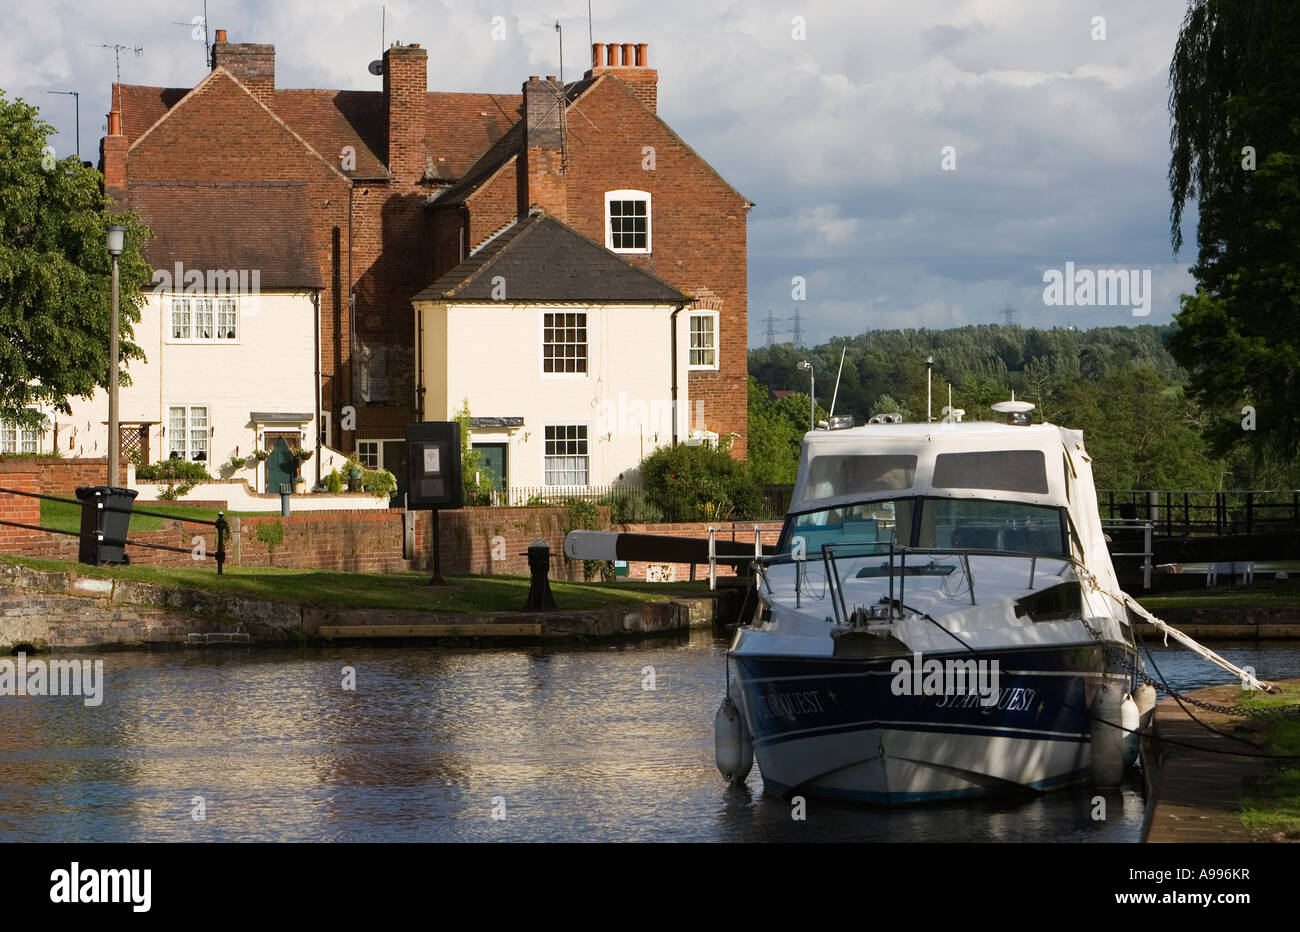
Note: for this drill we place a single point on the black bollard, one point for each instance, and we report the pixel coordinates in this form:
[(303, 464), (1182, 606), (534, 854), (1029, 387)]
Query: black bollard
[(539, 590)]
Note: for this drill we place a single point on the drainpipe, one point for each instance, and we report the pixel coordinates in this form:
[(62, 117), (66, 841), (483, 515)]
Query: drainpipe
[(419, 364), (315, 306), (672, 324)]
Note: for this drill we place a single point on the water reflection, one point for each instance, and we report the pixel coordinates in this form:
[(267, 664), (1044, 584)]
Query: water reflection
[(432, 739)]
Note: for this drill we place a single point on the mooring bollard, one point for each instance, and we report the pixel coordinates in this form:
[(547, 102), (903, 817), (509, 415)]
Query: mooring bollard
[(539, 590)]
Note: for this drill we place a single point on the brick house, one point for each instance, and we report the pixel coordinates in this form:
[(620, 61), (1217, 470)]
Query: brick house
[(391, 189)]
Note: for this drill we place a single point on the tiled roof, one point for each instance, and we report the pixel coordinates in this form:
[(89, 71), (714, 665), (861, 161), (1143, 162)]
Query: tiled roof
[(247, 226), (544, 260), (500, 152), (460, 127)]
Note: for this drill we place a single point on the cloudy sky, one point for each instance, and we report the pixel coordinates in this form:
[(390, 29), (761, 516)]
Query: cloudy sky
[(1060, 139)]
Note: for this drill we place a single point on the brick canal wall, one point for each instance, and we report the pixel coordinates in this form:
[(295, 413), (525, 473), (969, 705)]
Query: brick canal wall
[(483, 541), (51, 610)]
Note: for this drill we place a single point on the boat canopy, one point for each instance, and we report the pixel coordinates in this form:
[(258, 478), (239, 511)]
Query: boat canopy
[(1040, 464)]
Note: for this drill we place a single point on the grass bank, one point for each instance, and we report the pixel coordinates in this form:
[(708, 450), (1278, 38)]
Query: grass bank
[(1271, 807), (409, 591), (63, 516), (1274, 595)]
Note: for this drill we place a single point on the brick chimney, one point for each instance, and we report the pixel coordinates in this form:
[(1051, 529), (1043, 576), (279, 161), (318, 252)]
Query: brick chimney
[(112, 154), (631, 64), (406, 87), (251, 65), (543, 156)]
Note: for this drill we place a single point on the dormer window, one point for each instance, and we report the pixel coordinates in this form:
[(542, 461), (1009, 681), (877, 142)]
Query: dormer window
[(627, 221)]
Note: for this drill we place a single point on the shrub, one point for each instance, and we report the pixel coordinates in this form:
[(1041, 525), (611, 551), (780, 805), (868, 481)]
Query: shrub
[(178, 475), (582, 515), (631, 506), (334, 482), (271, 534), (378, 482), (700, 483)]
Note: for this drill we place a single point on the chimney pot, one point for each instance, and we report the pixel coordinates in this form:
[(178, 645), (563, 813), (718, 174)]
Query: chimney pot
[(550, 77), (628, 54), (597, 54), (533, 77), (641, 57), (221, 35), (115, 123), (611, 55)]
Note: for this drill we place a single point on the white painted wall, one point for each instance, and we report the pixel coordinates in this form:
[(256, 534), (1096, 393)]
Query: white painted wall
[(270, 367), (239, 497), (492, 355)]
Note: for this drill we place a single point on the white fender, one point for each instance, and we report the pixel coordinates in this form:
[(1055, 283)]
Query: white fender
[(1131, 718), (734, 751), (1107, 738)]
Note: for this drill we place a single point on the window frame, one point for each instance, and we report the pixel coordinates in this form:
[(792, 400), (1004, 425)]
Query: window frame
[(628, 194), (22, 436), (214, 314), (716, 349), (541, 337), (378, 453), (586, 455), (189, 410)]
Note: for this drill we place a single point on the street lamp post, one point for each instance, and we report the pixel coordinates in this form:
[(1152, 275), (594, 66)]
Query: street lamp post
[(113, 238), (812, 394)]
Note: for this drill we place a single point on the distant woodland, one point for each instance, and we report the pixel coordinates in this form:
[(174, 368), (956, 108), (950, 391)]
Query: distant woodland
[(1119, 385)]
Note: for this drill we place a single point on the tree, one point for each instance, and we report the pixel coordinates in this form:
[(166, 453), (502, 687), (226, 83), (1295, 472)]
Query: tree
[(55, 273), (776, 430), (1235, 147), (476, 477)]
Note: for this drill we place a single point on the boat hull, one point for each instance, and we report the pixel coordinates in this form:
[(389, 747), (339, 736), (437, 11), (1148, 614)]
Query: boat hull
[(841, 728)]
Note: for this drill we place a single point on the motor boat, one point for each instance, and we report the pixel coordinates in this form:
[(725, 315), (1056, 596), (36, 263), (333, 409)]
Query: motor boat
[(940, 619)]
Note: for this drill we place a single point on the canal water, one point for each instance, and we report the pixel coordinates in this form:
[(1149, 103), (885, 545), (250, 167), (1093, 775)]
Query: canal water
[(557, 744)]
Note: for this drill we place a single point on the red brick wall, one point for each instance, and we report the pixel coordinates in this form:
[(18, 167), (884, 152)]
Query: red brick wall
[(222, 135), (55, 476), (19, 508), (698, 231)]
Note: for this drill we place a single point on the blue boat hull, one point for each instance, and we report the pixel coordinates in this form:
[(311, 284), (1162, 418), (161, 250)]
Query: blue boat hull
[(851, 728)]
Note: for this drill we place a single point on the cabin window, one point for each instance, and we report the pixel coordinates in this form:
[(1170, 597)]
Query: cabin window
[(1001, 470), (832, 476), (971, 524), (863, 528)]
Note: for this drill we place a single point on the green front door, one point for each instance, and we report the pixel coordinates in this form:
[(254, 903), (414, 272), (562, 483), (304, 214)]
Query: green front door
[(281, 467), (494, 459)]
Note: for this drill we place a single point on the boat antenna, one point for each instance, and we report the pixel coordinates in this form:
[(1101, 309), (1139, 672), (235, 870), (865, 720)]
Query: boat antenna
[(929, 370), (836, 393)]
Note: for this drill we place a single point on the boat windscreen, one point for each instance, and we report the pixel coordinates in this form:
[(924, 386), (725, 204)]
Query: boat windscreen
[(870, 527), (983, 525), (833, 475)]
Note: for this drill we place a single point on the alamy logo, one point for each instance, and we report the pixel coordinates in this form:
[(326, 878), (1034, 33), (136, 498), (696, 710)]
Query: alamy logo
[(918, 677), (1102, 287), (213, 282), (78, 885), (57, 678)]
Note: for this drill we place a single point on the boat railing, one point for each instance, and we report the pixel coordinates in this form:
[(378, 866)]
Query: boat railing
[(833, 552)]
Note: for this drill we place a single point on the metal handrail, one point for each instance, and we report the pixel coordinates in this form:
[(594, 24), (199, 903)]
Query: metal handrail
[(221, 524)]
